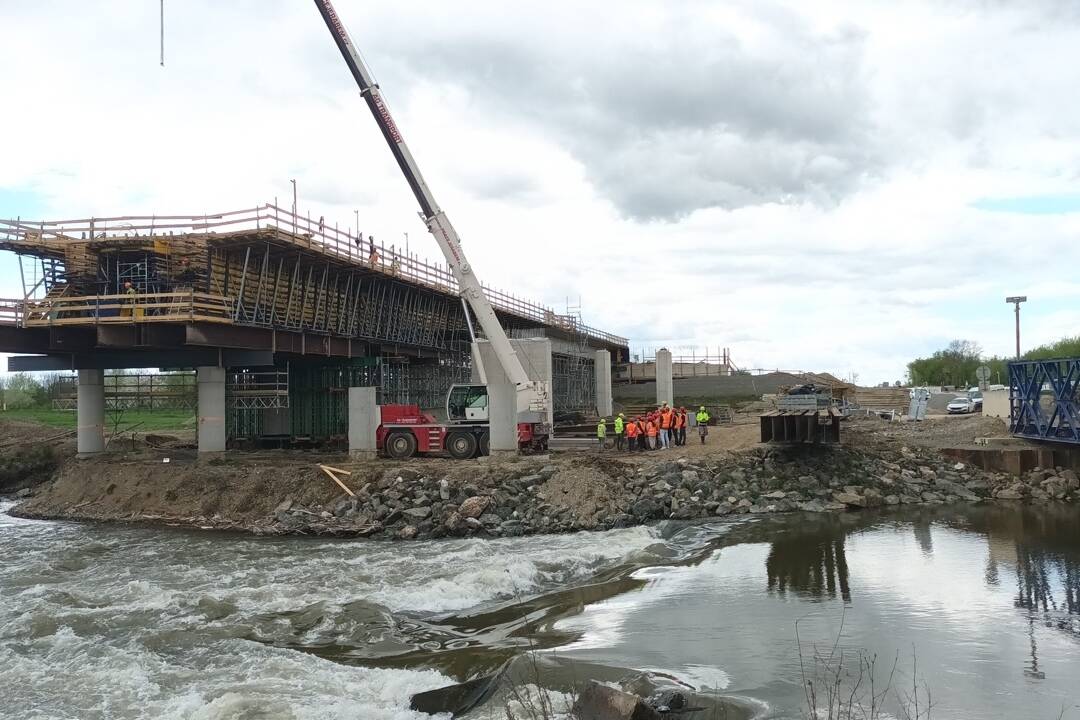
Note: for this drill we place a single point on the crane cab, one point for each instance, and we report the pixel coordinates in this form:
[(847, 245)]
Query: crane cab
[(467, 404)]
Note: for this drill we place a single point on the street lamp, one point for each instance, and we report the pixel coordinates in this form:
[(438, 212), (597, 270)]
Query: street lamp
[(1016, 300)]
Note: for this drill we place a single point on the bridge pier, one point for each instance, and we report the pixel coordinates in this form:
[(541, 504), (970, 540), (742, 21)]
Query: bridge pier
[(603, 383), (535, 355), (665, 387), (90, 412), (364, 419), (211, 409)]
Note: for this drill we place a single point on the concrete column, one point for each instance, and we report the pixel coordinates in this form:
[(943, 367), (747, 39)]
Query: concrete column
[(603, 383), (364, 419), (90, 411), (211, 409), (535, 356), (665, 387)]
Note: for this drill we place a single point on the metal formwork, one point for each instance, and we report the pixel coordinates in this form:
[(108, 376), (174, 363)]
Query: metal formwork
[(801, 426), (1044, 399)]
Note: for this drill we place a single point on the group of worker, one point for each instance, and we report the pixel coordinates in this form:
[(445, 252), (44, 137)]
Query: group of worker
[(656, 430)]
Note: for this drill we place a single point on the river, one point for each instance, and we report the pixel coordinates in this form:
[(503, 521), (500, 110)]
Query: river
[(101, 621)]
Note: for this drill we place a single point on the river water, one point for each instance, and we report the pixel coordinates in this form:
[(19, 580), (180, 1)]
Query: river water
[(114, 622)]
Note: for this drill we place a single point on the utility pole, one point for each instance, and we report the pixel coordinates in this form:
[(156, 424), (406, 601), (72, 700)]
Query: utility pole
[(1016, 300)]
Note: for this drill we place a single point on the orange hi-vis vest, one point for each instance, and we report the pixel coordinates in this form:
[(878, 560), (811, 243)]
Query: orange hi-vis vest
[(631, 430), (665, 419), (650, 429), (680, 420)]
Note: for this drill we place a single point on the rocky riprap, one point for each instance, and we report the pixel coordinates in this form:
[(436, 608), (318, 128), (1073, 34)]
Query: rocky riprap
[(602, 492)]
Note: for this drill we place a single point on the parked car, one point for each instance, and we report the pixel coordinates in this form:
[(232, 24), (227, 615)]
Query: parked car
[(963, 405)]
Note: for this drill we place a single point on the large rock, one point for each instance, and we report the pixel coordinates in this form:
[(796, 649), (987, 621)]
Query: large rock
[(645, 509), (474, 506), (417, 513), (1009, 493), (847, 498), (600, 702)]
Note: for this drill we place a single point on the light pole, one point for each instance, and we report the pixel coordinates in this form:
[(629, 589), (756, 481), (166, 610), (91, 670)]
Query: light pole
[(1016, 300)]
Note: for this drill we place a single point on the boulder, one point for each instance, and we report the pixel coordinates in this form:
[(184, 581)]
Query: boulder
[(872, 498), (645, 509), (416, 513), (474, 506), (600, 702), (847, 498), (407, 533)]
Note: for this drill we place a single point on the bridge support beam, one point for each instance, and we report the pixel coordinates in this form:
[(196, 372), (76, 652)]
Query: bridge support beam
[(535, 356), (603, 383), (364, 420), (90, 409), (211, 409), (665, 386)]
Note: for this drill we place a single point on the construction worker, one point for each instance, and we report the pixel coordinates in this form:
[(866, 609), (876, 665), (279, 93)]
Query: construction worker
[(631, 435), (650, 433), (373, 256), (601, 432), (683, 422), (619, 420), (129, 292), (640, 433), (665, 427), (676, 426), (702, 423)]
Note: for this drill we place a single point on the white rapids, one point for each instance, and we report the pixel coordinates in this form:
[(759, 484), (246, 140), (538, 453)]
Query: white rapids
[(112, 622)]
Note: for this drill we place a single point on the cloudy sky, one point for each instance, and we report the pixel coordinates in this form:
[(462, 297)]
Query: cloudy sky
[(820, 185)]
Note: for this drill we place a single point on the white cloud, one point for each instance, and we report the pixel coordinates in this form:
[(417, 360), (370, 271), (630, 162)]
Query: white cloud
[(813, 165)]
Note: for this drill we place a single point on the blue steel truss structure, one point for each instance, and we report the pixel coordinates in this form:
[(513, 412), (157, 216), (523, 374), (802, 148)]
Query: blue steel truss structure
[(1044, 398)]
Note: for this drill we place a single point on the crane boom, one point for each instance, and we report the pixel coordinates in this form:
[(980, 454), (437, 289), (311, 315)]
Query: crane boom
[(531, 395)]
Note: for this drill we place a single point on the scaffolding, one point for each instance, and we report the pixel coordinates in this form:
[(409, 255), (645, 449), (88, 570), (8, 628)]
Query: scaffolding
[(134, 391)]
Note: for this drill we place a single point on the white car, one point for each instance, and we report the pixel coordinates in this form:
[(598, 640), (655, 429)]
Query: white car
[(961, 406)]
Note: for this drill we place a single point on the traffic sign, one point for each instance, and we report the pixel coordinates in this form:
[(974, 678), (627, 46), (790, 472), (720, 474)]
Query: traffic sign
[(983, 373)]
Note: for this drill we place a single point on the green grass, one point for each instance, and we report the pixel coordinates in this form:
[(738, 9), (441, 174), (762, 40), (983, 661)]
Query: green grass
[(150, 421)]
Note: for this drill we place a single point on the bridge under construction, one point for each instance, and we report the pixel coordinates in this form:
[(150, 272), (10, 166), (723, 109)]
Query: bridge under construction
[(280, 313)]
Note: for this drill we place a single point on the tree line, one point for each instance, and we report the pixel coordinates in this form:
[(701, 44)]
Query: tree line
[(956, 364)]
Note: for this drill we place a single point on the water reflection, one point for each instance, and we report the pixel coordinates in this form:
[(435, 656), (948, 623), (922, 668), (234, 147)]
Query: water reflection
[(812, 564), (1038, 547)]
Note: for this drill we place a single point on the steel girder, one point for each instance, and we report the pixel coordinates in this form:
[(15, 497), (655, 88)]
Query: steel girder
[(1044, 399)]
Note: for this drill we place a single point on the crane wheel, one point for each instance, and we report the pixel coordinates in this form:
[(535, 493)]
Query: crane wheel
[(485, 443), (400, 445), (461, 445)]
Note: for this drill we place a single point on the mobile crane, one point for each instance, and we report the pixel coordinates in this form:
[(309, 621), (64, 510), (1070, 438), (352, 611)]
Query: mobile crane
[(405, 430)]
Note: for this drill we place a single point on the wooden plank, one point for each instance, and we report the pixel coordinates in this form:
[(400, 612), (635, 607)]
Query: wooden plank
[(334, 477)]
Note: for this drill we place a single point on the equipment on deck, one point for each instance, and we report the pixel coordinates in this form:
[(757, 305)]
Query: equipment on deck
[(533, 398)]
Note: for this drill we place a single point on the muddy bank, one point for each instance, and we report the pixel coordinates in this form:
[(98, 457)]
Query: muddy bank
[(282, 493)]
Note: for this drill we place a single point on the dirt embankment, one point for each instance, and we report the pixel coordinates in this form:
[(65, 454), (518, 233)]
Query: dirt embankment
[(30, 454), (280, 492)]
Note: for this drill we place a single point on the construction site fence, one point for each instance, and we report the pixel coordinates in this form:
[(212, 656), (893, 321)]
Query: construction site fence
[(316, 235)]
